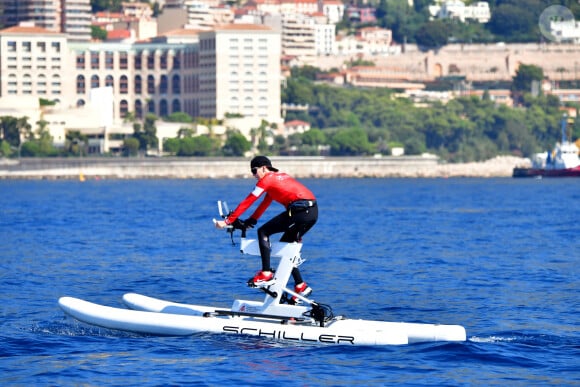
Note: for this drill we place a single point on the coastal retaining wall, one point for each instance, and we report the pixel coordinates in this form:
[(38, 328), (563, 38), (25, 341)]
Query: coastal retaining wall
[(213, 168)]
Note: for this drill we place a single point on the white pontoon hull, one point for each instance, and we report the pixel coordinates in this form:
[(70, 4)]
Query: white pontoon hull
[(160, 317)]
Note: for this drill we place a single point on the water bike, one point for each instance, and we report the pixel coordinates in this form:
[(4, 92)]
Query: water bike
[(282, 315)]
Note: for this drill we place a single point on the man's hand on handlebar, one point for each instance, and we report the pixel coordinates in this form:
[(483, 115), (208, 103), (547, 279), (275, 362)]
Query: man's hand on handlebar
[(220, 224), (250, 222), (238, 224)]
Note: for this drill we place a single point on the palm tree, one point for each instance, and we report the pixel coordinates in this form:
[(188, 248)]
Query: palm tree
[(24, 132)]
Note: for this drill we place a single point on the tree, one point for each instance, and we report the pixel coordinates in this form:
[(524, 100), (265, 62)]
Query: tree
[(179, 117), (197, 146), (130, 147), (298, 91), (307, 72), (146, 135), (350, 142), (236, 144), (5, 150), (433, 34), (24, 132), (106, 5), (75, 141), (514, 23), (10, 130), (171, 145), (41, 144), (525, 75), (261, 134), (314, 137), (97, 33)]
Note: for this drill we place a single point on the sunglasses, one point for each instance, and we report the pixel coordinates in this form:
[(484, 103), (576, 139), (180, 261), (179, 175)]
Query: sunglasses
[(254, 170)]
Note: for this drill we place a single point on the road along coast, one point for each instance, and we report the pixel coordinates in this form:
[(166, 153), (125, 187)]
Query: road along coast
[(220, 168)]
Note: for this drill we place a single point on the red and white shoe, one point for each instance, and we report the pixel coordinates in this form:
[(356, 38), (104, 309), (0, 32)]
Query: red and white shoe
[(261, 279), (303, 289)]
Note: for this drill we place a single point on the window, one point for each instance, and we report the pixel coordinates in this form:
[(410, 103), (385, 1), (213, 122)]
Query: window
[(94, 60), (175, 106), (151, 61), (138, 109), (41, 82), (81, 87), (123, 108), (26, 80), (123, 60), (109, 81), (80, 61), (55, 80), (123, 84), (95, 82), (150, 84), (176, 85), (163, 108), (163, 60), (163, 85), (138, 63), (109, 56), (41, 46), (138, 84)]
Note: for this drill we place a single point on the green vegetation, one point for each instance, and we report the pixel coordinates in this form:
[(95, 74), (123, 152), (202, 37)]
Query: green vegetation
[(367, 121), (511, 21), (98, 33), (344, 122)]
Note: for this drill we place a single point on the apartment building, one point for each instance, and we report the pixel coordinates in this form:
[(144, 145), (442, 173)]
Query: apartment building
[(194, 14), (233, 69), (72, 17), (333, 10), (456, 9), (76, 19), (35, 62), (565, 31), (239, 72), (299, 34), (367, 41), (203, 16)]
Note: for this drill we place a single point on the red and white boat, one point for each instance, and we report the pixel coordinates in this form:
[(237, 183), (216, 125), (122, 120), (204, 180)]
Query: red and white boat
[(563, 161)]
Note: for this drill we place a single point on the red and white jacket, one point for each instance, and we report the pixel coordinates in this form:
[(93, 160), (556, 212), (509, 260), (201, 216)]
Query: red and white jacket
[(279, 187)]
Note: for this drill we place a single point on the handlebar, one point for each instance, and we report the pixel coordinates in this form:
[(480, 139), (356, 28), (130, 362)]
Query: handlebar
[(236, 225)]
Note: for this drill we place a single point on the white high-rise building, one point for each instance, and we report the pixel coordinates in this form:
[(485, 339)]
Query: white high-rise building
[(232, 69), (239, 72), (72, 17), (76, 19)]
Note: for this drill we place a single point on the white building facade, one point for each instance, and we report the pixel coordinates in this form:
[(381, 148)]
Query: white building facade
[(239, 72), (456, 9), (234, 69), (72, 17)]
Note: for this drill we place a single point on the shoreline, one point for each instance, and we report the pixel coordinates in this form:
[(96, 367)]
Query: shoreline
[(221, 168)]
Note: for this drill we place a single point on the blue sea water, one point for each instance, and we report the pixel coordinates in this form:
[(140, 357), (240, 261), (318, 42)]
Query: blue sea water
[(499, 256)]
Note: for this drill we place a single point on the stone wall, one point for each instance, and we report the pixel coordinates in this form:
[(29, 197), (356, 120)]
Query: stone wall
[(477, 62), (209, 168)]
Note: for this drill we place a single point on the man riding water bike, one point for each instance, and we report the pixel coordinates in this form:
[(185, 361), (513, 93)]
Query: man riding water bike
[(300, 214)]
